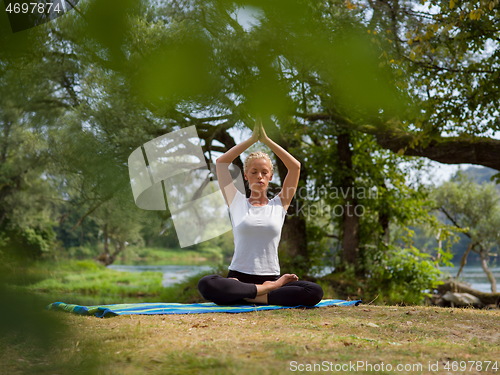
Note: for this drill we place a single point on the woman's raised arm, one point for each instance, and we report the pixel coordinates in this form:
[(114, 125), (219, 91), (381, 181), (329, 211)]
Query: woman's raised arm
[(224, 161), (291, 181)]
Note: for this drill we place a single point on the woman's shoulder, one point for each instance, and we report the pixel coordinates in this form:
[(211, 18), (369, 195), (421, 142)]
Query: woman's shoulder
[(239, 197), (276, 201)]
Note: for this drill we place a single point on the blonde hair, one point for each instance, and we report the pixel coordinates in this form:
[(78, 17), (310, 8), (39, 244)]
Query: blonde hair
[(257, 155)]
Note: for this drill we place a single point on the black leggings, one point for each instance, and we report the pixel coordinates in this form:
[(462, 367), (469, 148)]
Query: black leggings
[(226, 291)]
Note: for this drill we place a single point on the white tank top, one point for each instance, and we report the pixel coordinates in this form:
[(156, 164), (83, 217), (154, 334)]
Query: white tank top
[(257, 232)]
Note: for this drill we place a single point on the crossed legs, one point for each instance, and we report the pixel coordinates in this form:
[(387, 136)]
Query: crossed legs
[(267, 287), (285, 290)]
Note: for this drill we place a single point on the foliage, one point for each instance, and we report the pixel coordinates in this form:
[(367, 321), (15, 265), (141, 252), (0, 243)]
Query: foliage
[(163, 256), (27, 200), (387, 201), (471, 205), (396, 276), (475, 210), (401, 275), (29, 242), (78, 97), (449, 48)]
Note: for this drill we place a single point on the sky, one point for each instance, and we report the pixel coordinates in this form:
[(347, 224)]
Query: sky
[(442, 172)]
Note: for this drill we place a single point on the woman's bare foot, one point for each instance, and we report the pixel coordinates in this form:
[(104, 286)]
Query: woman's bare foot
[(268, 286), (285, 279)]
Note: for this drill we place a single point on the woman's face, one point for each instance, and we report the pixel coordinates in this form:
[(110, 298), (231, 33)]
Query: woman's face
[(259, 174)]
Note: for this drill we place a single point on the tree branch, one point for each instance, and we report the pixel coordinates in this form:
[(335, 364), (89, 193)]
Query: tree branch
[(448, 150)]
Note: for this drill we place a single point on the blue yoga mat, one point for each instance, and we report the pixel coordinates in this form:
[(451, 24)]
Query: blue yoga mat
[(103, 311)]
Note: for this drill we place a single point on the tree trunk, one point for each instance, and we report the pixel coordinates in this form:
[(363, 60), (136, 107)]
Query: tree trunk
[(119, 249), (105, 257), (350, 218), (484, 264), (384, 221), (293, 244), (463, 262), (108, 258)]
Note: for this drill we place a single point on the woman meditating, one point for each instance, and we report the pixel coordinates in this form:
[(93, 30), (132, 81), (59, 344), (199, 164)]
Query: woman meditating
[(254, 272)]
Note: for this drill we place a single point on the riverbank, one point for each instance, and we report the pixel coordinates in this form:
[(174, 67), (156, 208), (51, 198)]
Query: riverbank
[(90, 283), (87, 282), (392, 340)]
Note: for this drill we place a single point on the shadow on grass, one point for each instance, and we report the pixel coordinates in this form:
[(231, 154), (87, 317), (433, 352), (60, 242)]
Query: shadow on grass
[(35, 341)]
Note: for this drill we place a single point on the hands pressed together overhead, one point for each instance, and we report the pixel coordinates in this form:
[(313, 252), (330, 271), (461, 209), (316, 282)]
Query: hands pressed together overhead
[(259, 133)]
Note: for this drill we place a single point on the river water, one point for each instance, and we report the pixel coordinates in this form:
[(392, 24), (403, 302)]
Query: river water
[(473, 275), (171, 274)]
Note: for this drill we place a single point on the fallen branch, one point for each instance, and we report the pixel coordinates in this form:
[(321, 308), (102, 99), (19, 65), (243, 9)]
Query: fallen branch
[(486, 298)]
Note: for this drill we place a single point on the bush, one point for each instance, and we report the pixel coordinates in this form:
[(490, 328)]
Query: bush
[(403, 276), (394, 276), (27, 242)]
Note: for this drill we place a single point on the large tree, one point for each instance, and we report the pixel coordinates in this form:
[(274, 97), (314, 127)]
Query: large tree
[(320, 72)]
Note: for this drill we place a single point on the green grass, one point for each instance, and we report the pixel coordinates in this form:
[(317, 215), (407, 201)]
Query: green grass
[(90, 283), (84, 282), (263, 342), (34, 341)]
